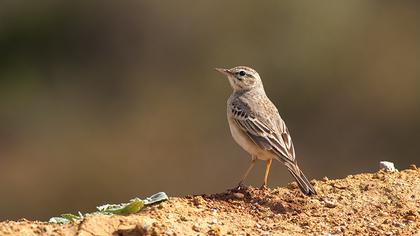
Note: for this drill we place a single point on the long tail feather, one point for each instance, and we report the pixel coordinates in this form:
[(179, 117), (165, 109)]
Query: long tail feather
[(304, 185)]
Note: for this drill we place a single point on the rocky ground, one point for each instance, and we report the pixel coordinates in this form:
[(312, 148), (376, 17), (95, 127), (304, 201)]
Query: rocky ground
[(365, 204)]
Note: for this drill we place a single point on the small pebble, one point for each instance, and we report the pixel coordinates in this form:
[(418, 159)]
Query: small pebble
[(239, 195), (292, 185), (410, 217), (325, 179), (214, 230), (412, 167), (169, 232), (198, 201), (196, 228), (372, 227), (387, 166), (330, 204), (397, 224)]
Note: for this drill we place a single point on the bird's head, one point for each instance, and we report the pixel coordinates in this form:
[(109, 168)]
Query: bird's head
[(242, 78)]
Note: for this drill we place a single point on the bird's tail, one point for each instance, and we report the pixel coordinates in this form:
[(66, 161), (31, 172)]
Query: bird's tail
[(304, 185)]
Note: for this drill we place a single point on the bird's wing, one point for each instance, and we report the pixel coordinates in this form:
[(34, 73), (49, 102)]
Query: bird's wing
[(264, 134)]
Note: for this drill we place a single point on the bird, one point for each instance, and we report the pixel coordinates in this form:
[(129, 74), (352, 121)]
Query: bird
[(256, 125)]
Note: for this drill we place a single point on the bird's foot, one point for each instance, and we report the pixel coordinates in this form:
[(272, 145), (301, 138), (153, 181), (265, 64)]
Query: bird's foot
[(264, 187), (239, 187)]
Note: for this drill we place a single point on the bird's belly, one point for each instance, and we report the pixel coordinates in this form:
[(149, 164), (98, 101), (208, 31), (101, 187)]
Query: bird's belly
[(245, 142)]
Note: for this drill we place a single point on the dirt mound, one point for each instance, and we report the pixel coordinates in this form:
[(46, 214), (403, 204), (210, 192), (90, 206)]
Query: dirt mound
[(366, 204)]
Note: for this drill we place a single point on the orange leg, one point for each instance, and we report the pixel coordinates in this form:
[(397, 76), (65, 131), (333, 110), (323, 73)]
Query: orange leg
[(267, 170), (247, 172)]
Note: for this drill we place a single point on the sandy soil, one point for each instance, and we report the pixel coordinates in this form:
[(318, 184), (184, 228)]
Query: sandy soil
[(365, 204)]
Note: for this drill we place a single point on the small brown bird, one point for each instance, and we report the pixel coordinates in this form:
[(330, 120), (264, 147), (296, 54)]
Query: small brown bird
[(257, 127)]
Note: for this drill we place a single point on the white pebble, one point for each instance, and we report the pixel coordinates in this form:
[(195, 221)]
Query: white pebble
[(387, 166)]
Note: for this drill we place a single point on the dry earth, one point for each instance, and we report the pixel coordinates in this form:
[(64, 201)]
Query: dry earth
[(366, 204)]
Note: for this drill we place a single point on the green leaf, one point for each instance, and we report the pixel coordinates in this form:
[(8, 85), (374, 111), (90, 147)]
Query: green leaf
[(66, 218), (124, 208), (155, 198), (72, 217), (133, 206), (58, 220)]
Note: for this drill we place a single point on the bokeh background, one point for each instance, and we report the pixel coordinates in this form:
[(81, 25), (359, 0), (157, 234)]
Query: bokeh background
[(104, 101)]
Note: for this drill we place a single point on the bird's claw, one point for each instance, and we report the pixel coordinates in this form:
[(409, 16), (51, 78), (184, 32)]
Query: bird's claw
[(264, 187), (240, 187)]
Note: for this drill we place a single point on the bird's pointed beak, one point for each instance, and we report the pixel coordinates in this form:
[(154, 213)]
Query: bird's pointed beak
[(224, 71)]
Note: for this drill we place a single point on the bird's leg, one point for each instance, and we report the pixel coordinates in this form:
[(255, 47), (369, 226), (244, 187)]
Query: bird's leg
[(267, 170), (240, 185)]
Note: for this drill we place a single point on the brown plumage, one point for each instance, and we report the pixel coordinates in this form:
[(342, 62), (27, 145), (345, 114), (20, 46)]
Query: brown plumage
[(257, 127)]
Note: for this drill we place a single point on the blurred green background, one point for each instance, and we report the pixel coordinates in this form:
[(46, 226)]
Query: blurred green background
[(104, 101)]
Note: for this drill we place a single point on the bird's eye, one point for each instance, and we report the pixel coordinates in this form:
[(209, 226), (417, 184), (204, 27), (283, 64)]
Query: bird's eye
[(242, 73)]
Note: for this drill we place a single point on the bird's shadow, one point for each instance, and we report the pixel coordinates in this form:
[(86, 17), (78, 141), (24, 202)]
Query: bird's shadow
[(279, 202), (135, 231)]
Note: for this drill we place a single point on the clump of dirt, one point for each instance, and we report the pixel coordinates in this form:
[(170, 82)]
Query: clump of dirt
[(379, 203)]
